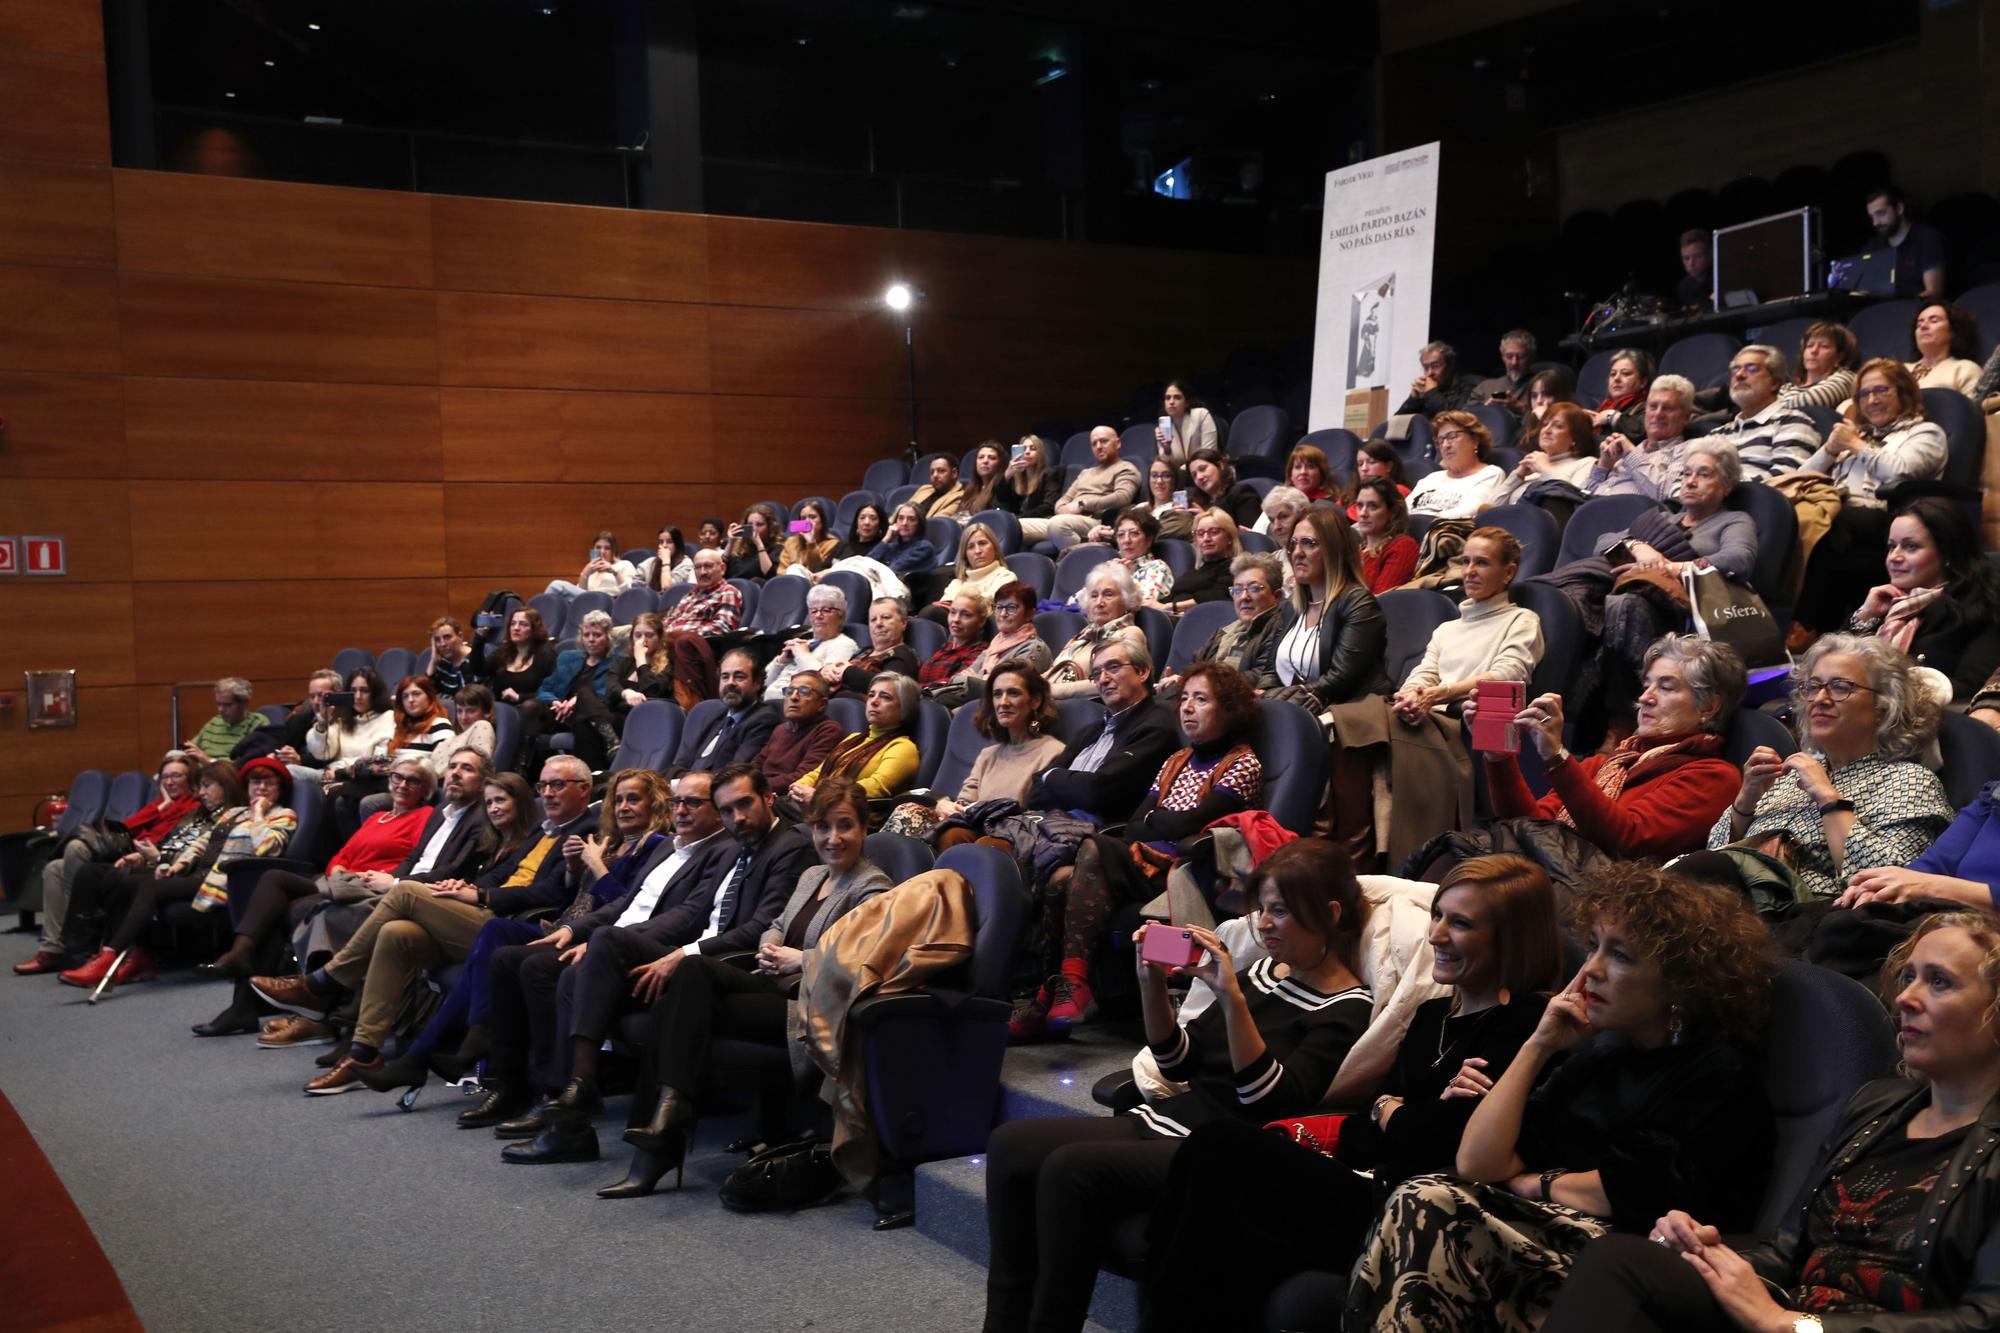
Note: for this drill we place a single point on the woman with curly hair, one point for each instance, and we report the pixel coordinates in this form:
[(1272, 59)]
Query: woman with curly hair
[(1659, 1105)]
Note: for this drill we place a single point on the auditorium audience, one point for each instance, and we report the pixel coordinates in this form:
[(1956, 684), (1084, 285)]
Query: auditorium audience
[(1166, 500), (1941, 604), (804, 738), (578, 670), (881, 760), (1770, 437), (1656, 793), (942, 496), (982, 488), (1947, 348), (1517, 360), (1382, 527), (1438, 387), (1032, 483), (1132, 534), (739, 729), (1492, 639), (346, 734), (523, 661), (1626, 385), (671, 562), (1017, 716), (642, 673), (453, 665), (1562, 452), (943, 674), (826, 644), (1856, 795), (871, 524), (1109, 600), (1014, 637), (603, 571), (1248, 643), (887, 651), (1885, 1234), (1216, 487), (1653, 466), (905, 550), (1660, 1104), (752, 549), (809, 552), (711, 608), (1330, 636), (981, 569), (219, 736), (1190, 426), (1308, 472), (1216, 543), (1105, 488), (1268, 1047), (1465, 479), (1828, 358)]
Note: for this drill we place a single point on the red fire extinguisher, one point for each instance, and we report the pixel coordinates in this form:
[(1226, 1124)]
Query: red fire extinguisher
[(50, 809)]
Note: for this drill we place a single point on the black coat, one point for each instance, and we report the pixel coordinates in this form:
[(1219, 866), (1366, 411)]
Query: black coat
[(1038, 503), (1146, 735), (1959, 642), (699, 875), (464, 853), (784, 855), (1353, 638), (759, 721)]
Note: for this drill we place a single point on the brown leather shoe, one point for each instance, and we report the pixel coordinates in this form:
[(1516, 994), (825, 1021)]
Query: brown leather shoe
[(40, 963), (343, 1077), (288, 1030), (294, 994)]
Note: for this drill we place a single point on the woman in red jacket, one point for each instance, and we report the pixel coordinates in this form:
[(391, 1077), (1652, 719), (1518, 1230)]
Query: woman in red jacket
[(1658, 792)]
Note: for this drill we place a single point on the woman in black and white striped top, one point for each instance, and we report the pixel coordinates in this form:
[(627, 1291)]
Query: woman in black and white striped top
[(1267, 1048)]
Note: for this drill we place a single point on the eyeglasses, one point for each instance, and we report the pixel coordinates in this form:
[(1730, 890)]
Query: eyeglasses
[(1431, 367), (691, 802), (1874, 391), (822, 610), (1742, 368), (405, 780), (1100, 672), (1839, 687), (1246, 589), (557, 784), (1446, 437), (1302, 544), (799, 692)]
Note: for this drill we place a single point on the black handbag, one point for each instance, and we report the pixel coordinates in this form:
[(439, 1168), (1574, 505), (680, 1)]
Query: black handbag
[(783, 1179)]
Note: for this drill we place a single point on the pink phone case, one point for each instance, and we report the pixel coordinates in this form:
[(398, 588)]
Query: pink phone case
[(1493, 729), (1170, 946)]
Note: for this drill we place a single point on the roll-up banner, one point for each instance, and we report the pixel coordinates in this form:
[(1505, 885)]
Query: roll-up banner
[(1374, 286)]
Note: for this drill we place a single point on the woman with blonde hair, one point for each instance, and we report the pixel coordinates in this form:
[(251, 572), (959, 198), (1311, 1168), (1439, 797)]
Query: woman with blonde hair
[(1031, 483), (981, 568)]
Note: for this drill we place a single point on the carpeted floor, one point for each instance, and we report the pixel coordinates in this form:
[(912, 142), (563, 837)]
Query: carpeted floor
[(225, 1199)]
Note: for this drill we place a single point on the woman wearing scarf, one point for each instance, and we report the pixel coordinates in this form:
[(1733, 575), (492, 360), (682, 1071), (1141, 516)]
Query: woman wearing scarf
[(1656, 794), (1109, 598), (881, 760), (1623, 411), (1940, 605)]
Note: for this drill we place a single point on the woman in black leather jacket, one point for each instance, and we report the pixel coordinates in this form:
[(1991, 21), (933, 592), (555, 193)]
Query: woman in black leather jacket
[(1898, 1230), (1331, 637)]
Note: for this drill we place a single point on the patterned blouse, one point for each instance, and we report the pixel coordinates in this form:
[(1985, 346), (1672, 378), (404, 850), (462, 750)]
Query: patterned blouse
[(1899, 810)]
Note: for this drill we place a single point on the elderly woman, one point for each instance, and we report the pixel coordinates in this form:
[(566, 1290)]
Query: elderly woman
[(1492, 639), (251, 820), (1330, 637), (808, 553), (1014, 637), (1382, 527), (1032, 483), (1623, 411), (1309, 472), (1564, 451), (1216, 543), (1855, 796), (1885, 1235), (1109, 598), (1189, 427), (981, 569), (1256, 591), (158, 831), (826, 618), (671, 562), (524, 661), (1659, 1105), (1216, 487), (1268, 1046), (1656, 794), (1828, 358), (1018, 718), (1884, 440), (752, 547), (1941, 604), (888, 623), (1468, 480), (1167, 500), (882, 760), (1947, 338), (1217, 775), (905, 549), (943, 675), (604, 571)]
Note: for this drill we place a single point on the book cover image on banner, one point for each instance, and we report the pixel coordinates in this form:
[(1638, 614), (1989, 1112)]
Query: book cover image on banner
[(1375, 263)]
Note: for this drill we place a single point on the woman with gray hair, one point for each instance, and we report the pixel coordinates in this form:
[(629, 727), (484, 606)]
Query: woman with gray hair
[(1658, 791), (1109, 600), (1256, 590), (1855, 796), (826, 619)]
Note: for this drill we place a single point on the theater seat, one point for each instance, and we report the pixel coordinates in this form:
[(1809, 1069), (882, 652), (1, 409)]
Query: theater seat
[(900, 857), (1884, 329), (1339, 445), (1562, 637), (1971, 753), (1075, 567), (129, 790), (22, 853), (506, 736), (933, 726), (962, 744), (1593, 519), (1035, 570), (693, 726), (1704, 358), (1006, 528), (350, 660), (884, 475), (1539, 534), (1195, 629), (1292, 746), (652, 732), (1411, 615), (1964, 428), (393, 664)]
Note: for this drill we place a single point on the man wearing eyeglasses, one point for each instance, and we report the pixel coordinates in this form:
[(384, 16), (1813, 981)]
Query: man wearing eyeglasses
[(554, 1000), (1107, 769), (804, 739), (1770, 438), (744, 724), (420, 926)]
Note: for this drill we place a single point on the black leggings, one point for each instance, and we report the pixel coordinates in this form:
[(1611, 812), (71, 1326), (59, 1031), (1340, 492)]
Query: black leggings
[(126, 900), (1055, 1188), (705, 999), (1636, 1286)]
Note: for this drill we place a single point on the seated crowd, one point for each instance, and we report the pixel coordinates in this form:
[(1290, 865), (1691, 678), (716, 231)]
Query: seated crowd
[(1526, 939)]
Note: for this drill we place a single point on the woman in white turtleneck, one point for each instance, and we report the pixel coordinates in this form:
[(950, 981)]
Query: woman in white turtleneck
[(1492, 639)]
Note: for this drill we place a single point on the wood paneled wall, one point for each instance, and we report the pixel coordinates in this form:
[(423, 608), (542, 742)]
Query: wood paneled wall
[(276, 419)]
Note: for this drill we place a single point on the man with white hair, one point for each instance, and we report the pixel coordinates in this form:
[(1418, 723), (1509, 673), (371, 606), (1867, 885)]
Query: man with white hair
[(1652, 467), (233, 721), (1517, 362), (1769, 437)]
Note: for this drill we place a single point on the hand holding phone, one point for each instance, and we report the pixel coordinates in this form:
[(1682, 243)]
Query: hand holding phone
[(1169, 946), (1493, 726)]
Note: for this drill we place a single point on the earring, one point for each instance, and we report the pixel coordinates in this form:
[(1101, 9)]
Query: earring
[(1673, 1025)]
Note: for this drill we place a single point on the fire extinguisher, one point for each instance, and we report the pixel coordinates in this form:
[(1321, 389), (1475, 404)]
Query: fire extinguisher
[(50, 809)]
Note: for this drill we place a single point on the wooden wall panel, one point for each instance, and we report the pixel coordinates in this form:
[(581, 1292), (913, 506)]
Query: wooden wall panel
[(41, 762), (52, 27), (550, 342), (499, 245), (274, 430), (808, 442), (198, 631), (85, 626), (58, 319), (503, 527), (92, 515), (62, 426), (560, 436), (56, 213), (220, 227), (800, 265), (811, 353), (334, 530), (52, 108), (227, 328)]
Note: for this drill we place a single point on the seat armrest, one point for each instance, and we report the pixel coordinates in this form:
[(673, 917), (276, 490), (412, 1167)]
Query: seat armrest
[(956, 1006)]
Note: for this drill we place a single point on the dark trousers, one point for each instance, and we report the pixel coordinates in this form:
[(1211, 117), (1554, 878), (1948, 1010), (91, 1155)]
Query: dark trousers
[(705, 999), (270, 905), (602, 990), (521, 984), (1054, 1189), (1636, 1286), (124, 901)]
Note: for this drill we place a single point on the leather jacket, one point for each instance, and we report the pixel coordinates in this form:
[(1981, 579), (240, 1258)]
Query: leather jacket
[(1353, 638), (1958, 1235)]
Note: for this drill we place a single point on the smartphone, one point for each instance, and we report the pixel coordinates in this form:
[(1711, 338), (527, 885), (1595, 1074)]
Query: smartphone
[(1020, 452), (1493, 729), (1167, 427), (1180, 499), (1170, 946), (339, 699), (802, 526)]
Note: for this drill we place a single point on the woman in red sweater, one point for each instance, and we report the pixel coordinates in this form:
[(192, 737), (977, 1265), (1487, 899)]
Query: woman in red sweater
[(1382, 528), (1657, 793)]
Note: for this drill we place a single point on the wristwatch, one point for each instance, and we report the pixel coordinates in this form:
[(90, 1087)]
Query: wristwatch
[(1835, 807), (1807, 1323)]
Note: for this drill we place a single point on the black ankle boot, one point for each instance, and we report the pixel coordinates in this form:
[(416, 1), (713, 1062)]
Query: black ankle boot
[(501, 1102), (579, 1100), (452, 1068), (673, 1119), (643, 1176)]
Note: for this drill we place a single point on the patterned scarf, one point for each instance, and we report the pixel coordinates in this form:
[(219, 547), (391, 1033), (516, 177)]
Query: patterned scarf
[(1900, 625), (1650, 754), (1877, 434)]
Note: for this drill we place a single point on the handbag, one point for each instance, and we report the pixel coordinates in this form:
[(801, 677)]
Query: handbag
[(1726, 611), (783, 1179), (1321, 1133), (104, 842)]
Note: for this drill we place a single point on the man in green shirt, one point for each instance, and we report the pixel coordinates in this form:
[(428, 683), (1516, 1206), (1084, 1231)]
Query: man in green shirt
[(233, 721)]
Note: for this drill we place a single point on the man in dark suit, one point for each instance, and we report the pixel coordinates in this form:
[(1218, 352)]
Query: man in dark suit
[(746, 721), (1107, 770)]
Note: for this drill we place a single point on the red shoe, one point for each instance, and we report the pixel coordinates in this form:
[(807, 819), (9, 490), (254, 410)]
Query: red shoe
[(40, 963), (138, 966), (91, 972), (1030, 1017), (1073, 1004)]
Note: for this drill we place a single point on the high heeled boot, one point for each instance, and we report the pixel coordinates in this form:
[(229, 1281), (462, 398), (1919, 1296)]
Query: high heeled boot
[(673, 1120)]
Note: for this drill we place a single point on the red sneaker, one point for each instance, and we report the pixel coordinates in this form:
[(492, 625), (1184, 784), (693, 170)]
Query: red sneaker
[(91, 972), (1030, 1015), (1072, 1004)]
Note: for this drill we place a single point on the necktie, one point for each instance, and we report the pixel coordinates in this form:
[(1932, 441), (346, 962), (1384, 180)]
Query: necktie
[(726, 900), (721, 733)]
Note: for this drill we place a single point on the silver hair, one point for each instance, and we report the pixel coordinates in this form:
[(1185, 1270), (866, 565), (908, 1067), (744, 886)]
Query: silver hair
[(575, 767), (1119, 576), (601, 619), (1518, 338), (238, 687), (909, 695), (1906, 712), (1727, 461), (1712, 671), (325, 673), (1680, 386), (826, 594), (425, 778), (1283, 497), (1775, 361), (1262, 562), (1443, 349), (1135, 648)]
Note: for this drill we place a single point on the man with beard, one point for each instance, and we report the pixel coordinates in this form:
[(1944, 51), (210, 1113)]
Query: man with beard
[(1919, 247), (1769, 437), (745, 723)]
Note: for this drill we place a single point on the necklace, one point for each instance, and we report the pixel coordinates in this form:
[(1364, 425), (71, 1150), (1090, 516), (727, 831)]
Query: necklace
[(1444, 1027)]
